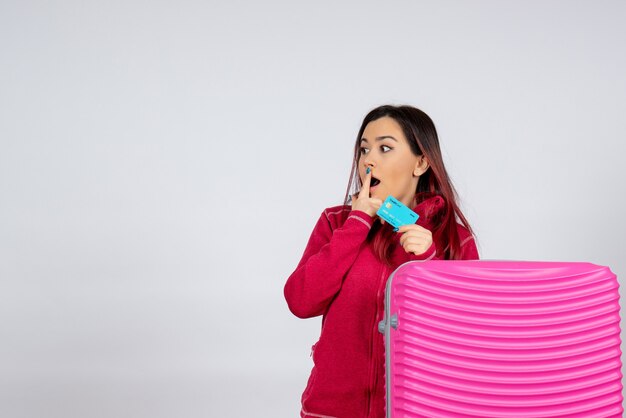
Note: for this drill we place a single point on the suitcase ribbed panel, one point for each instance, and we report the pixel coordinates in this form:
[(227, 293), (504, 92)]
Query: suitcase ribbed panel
[(503, 339)]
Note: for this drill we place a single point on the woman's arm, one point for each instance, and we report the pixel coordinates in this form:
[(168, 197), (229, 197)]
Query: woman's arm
[(327, 257)]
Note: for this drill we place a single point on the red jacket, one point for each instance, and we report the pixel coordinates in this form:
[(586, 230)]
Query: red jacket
[(340, 278)]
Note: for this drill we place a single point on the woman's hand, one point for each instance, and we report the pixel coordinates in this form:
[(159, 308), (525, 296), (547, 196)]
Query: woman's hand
[(415, 239), (363, 202)]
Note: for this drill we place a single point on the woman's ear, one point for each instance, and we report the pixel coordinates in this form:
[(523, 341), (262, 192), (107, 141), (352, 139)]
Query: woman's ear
[(421, 166)]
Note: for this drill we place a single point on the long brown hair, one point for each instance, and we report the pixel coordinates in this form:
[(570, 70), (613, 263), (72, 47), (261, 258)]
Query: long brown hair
[(421, 134)]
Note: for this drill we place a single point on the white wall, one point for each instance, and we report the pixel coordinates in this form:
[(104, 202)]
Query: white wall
[(162, 165)]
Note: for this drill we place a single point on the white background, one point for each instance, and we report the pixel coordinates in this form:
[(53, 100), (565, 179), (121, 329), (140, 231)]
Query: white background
[(162, 165)]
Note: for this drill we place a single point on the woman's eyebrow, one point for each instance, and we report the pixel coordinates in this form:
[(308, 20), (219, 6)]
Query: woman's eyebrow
[(380, 138)]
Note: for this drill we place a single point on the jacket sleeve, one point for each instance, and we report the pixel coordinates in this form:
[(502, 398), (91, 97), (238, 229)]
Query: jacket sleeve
[(327, 257)]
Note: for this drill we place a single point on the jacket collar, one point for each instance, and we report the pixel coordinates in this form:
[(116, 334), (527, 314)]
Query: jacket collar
[(428, 211)]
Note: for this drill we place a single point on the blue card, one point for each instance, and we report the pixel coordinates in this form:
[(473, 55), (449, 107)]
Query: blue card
[(396, 213)]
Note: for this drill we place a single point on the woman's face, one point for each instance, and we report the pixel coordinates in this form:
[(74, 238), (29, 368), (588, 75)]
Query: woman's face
[(386, 150)]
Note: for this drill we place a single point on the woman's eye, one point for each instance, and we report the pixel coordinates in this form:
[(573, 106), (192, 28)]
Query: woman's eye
[(385, 146), (364, 150)]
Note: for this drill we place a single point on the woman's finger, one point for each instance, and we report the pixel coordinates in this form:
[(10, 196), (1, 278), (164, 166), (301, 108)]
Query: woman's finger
[(416, 234), (408, 240), (416, 249), (411, 227), (365, 189), (415, 241)]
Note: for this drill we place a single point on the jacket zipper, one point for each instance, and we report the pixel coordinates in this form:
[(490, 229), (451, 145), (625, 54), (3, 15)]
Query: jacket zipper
[(374, 356)]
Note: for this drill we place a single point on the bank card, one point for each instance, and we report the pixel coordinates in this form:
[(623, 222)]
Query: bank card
[(396, 213)]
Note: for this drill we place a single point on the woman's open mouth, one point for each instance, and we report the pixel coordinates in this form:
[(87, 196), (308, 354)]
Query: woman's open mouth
[(374, 182)]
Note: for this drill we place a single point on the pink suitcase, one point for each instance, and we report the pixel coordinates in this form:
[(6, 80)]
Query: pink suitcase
[(502, 339)]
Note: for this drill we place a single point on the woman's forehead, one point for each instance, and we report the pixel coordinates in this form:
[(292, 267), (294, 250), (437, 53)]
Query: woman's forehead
[(379, 129)]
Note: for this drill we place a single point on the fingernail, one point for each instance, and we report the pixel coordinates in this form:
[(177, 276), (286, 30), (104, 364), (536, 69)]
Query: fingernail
[(367, 171)]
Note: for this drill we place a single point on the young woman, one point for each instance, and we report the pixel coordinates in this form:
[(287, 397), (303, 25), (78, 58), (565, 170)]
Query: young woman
[(352, 252)]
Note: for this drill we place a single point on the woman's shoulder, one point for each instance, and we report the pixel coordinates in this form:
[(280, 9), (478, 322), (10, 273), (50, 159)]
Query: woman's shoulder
[(337, 212), (337, 215), (465, 235)]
